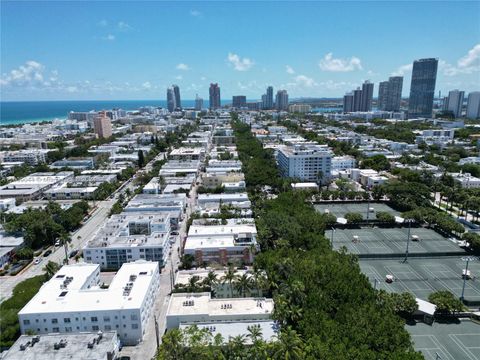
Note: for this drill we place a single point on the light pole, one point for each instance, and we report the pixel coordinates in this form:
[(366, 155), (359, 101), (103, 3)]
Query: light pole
[(375, 284), (465, 274), (408, 239), (331, 237), (368, 206)]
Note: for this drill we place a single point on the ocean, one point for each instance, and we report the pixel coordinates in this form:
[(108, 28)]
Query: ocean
[(21, 112)]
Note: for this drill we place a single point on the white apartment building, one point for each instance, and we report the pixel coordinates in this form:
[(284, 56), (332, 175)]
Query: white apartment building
[(197, 308), (473, 105), (29, 157), (187, 154), (300, 108), (73, 302), (438, 136), (466, 180), (81, 346), (305, 162), (343, 163), (221, 244), (130, 236)]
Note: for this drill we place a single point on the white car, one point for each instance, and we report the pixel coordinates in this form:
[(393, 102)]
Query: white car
[(37, 261)]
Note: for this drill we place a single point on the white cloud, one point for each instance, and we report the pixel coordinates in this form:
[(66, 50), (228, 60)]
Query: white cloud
[(195, 13), (238, 63), (402, 70), (146, 85), (31, 73), (203, 78), (109, 37), (289, 69), (182, 66), (472, 59), (123, 26), (305, 81), (71, 89), (329, 63), (179, 77), (103, 23)]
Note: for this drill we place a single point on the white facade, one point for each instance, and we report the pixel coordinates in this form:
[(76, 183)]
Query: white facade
[(73, 302), (305, 162), (6, 204), (29, 157), (130, 236), (200, 307), (466, 180), (454, 102), (343, 162), (221, 244)]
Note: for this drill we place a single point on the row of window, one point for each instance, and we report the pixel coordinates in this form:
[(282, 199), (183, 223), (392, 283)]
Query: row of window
[(92, 319), (94, 328)]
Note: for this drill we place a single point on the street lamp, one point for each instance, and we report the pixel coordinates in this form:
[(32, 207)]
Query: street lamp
[(467, 259), (408, 239), (331, 237)]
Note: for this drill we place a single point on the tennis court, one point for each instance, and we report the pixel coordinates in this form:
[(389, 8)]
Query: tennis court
[(392, 241), (340, 209), (447, 341), (422, 276)]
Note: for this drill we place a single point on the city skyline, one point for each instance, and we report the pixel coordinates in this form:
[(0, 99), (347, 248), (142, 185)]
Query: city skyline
[(105, 53)]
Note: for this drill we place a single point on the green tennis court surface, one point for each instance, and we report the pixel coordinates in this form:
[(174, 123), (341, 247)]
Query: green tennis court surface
[(340, 209), (422, 276), (447, 341), (392, 241)]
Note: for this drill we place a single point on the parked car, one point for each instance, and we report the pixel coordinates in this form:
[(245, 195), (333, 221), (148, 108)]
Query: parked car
[(47, 253), (37, 261), (57, 243), (174, 233), (73, 253)]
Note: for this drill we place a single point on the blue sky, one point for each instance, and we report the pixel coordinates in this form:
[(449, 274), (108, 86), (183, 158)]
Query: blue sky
[(134, 50)]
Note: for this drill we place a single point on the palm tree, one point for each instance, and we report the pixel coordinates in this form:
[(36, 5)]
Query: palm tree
[(211, 280), (244, 284), (64, 241), (193, 283), (229, 277), (290, 345), (258, 279), (51, 269), (254, 332)]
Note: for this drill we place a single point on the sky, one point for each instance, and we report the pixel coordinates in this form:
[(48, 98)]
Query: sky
[(112, 50)]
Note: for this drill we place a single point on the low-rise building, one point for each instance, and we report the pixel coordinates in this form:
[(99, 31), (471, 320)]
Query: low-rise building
[(343, 162), (30, 157), (130, 236), (81, 346), (466, 180), (198, 308), (222, 244), (72, 301), (79, 164), (65, 192), (187, 154), (212, 180), (33, 185)]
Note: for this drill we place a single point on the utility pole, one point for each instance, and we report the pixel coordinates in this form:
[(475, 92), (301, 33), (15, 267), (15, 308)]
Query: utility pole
[(408, 239), (156, 331), (331, 238), (465, 274)]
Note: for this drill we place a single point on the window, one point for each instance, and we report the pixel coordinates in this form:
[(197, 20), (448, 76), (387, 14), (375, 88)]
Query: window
[(68, 329), (26, 322), (108, 328), (133, 317), (94, 319), (94, 328), (106, 318), (54, 321), (55, 329), (134, 326), (66, 320)]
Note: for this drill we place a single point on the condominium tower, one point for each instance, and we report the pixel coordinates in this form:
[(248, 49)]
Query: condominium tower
[(422, 88)]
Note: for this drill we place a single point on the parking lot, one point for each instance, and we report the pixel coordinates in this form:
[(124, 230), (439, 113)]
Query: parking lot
[(340, 209), (376, 241), (447, 341), (422, 276)]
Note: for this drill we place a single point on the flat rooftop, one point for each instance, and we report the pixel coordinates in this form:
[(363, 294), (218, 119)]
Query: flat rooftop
[(183, 276), (75, 349), (340, 209), (373, 242), (269, 328), (451, 341), (77, 297), (203, 304), (422, 276)]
